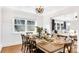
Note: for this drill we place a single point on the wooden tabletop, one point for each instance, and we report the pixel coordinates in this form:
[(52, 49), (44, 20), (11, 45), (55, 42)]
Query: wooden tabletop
[(49, 47)]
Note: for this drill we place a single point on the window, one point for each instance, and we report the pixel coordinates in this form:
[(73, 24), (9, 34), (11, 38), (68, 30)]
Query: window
[(19, 25), (62, 26), (30, 25), (24, 25), (58, 26)]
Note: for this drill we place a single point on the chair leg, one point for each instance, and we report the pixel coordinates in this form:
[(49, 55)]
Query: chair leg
[(30, 50), (27, 50), (70, 49), (64, 49), (22, 48)]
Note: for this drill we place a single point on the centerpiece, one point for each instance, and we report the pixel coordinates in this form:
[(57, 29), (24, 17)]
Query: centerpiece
[(39, 30)]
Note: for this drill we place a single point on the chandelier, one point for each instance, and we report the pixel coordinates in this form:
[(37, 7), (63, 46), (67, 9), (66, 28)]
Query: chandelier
[(39, 9)]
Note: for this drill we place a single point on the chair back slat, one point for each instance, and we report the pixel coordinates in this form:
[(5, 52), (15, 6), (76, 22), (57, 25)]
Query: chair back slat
[(23, 38)]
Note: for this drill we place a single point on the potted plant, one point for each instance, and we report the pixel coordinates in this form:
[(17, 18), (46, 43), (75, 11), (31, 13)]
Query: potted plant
[(39, 30)]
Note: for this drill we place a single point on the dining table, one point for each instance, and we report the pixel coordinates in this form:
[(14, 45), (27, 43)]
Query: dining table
[(50, 47)]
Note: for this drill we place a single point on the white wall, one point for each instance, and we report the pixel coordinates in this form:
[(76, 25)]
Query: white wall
[(40, 20), (47, 23), (10, 38), (0, 29), (78, 32)]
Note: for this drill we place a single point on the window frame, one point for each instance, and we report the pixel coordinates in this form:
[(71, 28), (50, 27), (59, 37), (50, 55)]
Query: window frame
[(13, 21)]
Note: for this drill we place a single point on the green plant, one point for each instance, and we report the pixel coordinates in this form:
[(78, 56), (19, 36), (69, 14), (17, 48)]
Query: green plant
[(39, 30)]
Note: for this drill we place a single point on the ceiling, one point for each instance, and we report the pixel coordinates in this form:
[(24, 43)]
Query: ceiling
[(31, 9)]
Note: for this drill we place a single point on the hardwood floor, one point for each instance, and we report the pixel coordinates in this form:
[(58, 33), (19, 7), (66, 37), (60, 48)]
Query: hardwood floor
[(12, 49), (17, 49)]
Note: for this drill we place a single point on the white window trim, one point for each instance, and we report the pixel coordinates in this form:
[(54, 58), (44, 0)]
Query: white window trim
[(13, 30)]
